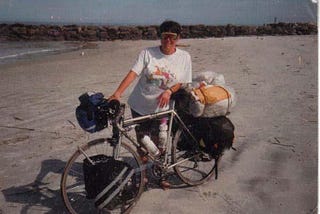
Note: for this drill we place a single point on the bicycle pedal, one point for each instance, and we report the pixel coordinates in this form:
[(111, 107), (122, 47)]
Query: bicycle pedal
[(165, 185)]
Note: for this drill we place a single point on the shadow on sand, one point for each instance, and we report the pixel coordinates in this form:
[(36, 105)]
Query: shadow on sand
[(43, 195)]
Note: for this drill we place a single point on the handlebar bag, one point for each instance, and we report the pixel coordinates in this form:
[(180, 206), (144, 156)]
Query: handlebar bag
[(91, 114), (108, 181)]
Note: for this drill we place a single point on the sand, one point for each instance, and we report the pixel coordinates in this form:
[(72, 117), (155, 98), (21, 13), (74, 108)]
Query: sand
[(274, 169)]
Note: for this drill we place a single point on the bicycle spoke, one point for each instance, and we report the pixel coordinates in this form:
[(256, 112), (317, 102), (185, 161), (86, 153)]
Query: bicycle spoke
[(79, 174), (76, 187), (189, 165)]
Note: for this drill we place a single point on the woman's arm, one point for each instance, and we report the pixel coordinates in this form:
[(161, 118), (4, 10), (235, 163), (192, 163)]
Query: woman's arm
[(131, 76)]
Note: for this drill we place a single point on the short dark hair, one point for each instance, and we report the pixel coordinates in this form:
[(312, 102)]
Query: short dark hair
[(170, 26)]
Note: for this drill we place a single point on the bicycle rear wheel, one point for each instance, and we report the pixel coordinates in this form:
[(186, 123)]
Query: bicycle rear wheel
[(73, 187), (194, 166)]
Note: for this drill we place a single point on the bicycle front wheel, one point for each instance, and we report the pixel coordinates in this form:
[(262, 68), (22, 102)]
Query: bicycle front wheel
[(193, 166), (73, 186)]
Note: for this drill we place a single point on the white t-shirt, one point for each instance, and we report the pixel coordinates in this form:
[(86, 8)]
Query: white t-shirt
[(157, 72)]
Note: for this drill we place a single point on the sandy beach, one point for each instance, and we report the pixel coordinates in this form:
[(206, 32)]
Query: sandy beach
[(274, 169)]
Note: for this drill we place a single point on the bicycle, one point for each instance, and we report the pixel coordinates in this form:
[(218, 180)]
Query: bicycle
[(183, 156)]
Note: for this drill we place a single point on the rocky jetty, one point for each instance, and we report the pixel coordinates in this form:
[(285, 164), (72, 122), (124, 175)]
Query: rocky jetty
[(16, 32)]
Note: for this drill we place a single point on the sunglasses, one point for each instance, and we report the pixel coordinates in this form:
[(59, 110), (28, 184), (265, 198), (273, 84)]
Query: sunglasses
[(169, 35)]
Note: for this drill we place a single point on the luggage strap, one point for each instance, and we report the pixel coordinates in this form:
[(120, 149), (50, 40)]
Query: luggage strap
[(216, 167), (117, 190)]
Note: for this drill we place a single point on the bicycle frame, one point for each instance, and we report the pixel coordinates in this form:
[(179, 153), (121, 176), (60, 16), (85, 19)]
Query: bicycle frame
[(124, 124), (189, 163)]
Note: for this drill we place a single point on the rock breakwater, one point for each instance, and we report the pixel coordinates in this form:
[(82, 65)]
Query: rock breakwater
[(17, 32)]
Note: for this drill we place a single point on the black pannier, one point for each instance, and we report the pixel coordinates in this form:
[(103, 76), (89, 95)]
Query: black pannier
[(215, 134), (108, 181)]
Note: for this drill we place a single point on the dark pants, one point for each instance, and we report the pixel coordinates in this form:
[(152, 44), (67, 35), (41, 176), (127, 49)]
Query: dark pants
[(149, 127)]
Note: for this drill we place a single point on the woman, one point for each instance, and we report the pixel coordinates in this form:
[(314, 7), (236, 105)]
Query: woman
[(162, 71)]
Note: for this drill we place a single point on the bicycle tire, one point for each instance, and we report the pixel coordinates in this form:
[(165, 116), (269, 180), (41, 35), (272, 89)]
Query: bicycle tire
[(194, 170), (72, 181)]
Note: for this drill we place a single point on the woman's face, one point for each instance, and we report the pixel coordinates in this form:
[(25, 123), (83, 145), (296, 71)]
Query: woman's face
[(168, 42)]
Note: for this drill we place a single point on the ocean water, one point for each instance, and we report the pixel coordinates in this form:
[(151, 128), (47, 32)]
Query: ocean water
[(12, 51)]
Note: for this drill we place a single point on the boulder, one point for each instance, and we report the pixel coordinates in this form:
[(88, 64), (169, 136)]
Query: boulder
[(113, 33), (150, 33), (198, 31), (231, 30), (185, 32), (103, 35), (130, 33)]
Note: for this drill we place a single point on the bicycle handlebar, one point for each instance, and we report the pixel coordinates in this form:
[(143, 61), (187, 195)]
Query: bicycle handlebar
[(116, 111)]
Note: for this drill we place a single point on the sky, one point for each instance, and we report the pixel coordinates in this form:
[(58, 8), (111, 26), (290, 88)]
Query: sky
[(131, 12)]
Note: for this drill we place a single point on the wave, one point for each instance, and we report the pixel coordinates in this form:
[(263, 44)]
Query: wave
[(38, 52), (12, 51)]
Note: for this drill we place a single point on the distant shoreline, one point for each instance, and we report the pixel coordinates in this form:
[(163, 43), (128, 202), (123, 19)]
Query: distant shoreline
[(48, 32)]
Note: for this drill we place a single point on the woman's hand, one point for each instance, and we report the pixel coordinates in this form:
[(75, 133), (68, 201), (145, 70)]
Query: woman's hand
[(164, 98), (115, 96)]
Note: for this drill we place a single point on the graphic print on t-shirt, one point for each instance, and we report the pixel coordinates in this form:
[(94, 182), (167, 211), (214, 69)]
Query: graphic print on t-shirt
[(160, 76)]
